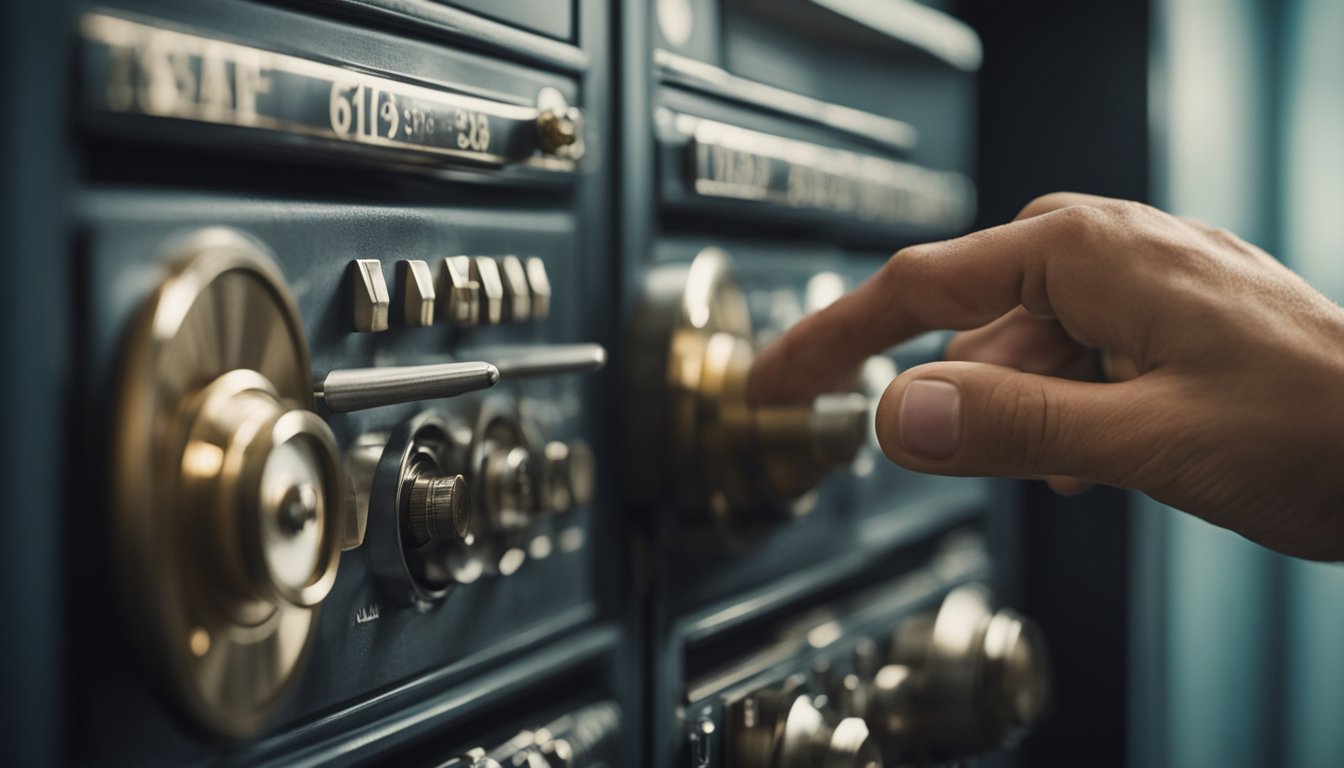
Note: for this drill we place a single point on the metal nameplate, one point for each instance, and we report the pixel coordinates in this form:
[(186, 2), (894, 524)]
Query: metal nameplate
[(139, 69), (727, 161)]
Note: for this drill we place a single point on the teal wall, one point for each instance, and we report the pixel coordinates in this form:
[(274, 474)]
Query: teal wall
[(1238, 653), (1311, 154)]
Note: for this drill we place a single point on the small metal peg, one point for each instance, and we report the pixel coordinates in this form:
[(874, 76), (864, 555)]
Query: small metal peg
[(517, 293), (417, 292), (460, 293), (368, 293), (539, 285), (485, 273)]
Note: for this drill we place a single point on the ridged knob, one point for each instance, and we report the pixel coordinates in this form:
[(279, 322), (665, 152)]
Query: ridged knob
[(438, 509)]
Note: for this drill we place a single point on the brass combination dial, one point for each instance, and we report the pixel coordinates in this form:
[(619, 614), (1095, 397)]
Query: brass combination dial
[(228, 503), (736, 470)]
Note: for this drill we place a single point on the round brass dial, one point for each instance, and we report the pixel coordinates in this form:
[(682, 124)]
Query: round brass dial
[(226, 486)]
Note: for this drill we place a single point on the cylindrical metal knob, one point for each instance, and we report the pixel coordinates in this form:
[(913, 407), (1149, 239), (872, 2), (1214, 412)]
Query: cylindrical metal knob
[(438, 509), (509, 493), (850, 745), (807, 741), (977, 678), (568, 475), (1017, 682)]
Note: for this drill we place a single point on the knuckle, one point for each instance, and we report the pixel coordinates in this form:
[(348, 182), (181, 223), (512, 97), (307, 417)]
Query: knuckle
[(1083, 220), (907, 258), (1134, 209), (1047, 202), (904, 267)]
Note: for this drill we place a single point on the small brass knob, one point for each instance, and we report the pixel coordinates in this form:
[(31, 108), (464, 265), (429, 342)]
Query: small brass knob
[(559, 126)]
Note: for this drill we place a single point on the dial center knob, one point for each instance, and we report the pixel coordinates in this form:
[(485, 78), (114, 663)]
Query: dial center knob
[(267, 475), (438, 508)]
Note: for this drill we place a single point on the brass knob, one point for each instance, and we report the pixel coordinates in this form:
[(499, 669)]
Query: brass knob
[(780, 729), (735, 469), (967, 681), (559, 126), (438, 508)]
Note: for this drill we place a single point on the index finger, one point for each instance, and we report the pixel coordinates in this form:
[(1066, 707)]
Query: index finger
[(956, 284)]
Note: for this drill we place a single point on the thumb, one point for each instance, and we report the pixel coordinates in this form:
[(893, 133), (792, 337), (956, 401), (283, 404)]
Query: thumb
[(957, 418)]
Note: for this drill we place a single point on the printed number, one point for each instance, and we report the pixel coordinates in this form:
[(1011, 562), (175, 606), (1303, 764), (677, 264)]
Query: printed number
[(473, 131), (351, 112), (388, 112), (338, 108)]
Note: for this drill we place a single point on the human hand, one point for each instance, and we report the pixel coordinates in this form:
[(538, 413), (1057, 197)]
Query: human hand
[(1229, 402)]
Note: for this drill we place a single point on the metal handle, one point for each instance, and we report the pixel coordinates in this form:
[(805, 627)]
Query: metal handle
[(525, 362), (355, 389)]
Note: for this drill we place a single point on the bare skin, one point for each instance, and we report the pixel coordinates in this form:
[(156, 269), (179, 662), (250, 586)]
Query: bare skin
[(1226, 369)]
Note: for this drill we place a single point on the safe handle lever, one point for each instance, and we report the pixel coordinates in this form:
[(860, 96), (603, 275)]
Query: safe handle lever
[(525, 362), (355, 389)]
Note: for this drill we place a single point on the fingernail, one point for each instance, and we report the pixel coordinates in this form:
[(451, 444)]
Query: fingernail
[(931, 418)]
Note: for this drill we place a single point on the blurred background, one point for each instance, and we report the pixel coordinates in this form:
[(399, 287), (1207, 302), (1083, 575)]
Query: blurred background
[(1230, 111)]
